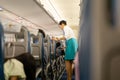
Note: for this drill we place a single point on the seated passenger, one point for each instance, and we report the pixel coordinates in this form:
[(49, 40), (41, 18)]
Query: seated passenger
[(13, 70), (34, 39), (59, 49), (41, 31), (29, 65), (20, 66)]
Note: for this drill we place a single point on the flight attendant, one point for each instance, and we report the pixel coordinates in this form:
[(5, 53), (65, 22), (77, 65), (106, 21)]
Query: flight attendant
[(71, 47)]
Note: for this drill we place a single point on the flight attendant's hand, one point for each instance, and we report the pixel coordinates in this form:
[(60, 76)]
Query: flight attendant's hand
[(54, 38)]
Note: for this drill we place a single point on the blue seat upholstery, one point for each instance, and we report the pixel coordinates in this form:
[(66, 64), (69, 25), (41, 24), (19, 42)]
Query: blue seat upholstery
[(1, 52)]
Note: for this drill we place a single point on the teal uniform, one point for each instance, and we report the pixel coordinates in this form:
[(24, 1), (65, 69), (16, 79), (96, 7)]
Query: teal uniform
[(71, 49)]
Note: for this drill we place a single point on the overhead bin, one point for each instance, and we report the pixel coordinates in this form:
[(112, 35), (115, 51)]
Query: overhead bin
[(33, 12)]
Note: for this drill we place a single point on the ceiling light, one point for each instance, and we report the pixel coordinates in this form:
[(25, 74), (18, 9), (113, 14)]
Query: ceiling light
[(1, 9)]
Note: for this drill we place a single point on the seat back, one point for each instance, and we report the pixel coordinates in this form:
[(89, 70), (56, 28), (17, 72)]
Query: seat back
[(21, 45), (99, 40), (37, 49), (47, 48), (1, 53)]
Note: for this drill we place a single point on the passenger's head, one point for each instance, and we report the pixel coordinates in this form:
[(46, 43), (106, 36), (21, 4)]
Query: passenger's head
[(62, 24), (29, 65), (41, 31), (58, 44)]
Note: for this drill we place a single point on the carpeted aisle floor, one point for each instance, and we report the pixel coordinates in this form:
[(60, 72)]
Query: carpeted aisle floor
[(64, 76)]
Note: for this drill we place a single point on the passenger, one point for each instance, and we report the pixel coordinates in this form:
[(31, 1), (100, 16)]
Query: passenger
[(41, 31), (34, 39), (59, 49), (29, 65), (71, 47), (20, 66), (14, 70)]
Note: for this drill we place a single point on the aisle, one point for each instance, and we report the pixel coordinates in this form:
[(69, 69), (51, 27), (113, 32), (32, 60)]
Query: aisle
[(64, 76)]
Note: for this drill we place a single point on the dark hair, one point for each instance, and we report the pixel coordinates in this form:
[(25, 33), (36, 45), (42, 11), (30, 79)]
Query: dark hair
[(41, 31), (29, 65), (58, 44), (62, 22)]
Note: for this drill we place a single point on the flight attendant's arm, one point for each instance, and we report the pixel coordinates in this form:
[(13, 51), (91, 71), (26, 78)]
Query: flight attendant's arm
[(62, 38), (57, 39)]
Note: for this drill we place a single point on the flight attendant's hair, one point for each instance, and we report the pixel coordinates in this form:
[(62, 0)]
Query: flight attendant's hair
[(62, 22)]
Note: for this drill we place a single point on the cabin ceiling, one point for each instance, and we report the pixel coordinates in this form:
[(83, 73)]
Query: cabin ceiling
[(69, 9), (30, 10)]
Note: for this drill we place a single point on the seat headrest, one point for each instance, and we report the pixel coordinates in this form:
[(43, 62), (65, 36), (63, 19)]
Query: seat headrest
[(19, 35)]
